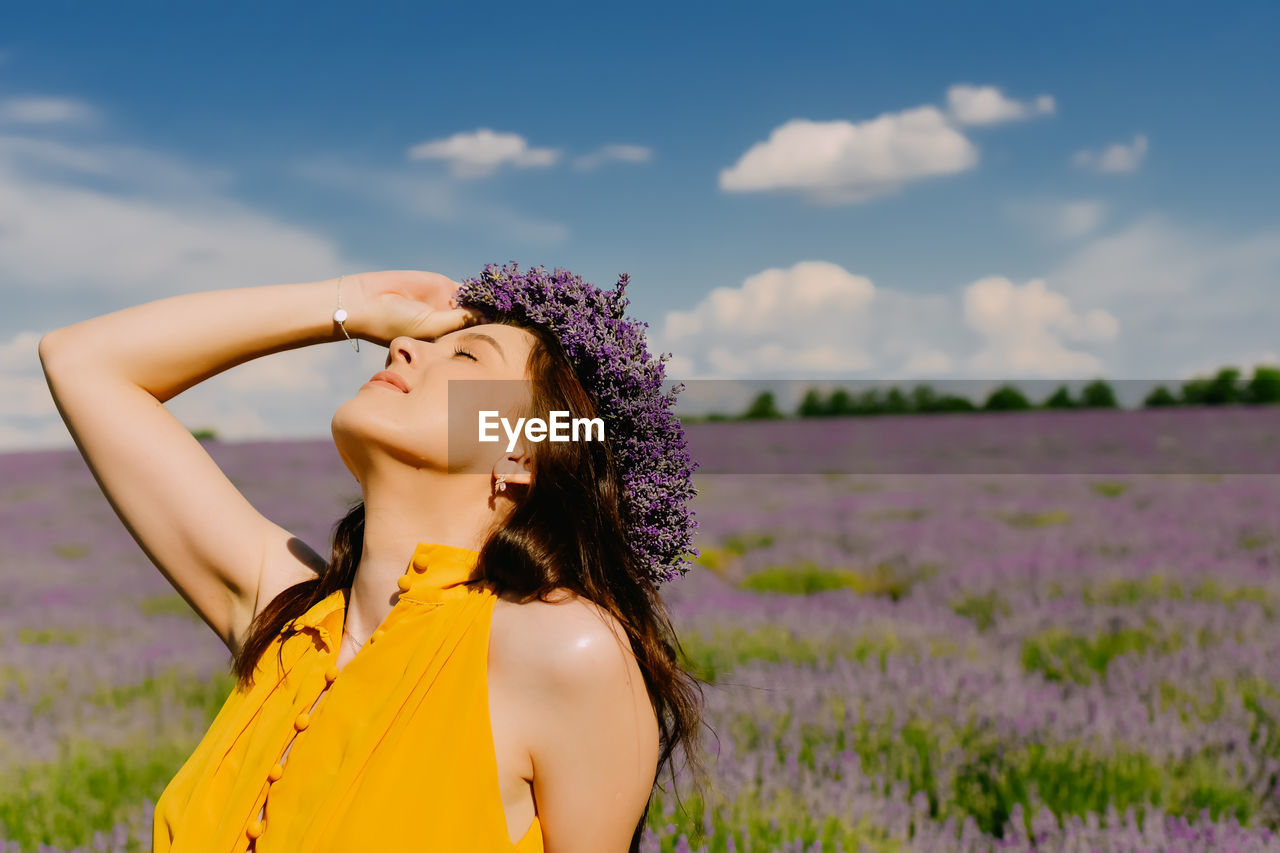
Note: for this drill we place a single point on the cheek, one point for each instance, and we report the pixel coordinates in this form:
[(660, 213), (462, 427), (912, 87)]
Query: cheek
[(367, 414), (507, 396), (431, 424)]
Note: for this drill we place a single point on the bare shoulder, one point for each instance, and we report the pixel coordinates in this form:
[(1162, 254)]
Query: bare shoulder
[(553, 640), (568, 650), (587, 723)]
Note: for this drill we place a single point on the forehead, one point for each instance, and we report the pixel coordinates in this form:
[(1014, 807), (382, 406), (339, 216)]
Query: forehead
[(503, 332), (514, 341)]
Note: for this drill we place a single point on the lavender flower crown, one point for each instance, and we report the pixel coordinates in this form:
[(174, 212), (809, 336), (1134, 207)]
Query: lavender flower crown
[(611, 360)]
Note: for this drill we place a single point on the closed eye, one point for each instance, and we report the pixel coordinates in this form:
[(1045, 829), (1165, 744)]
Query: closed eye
[(460, 351)]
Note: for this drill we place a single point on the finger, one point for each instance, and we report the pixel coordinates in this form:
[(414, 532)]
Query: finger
[(453, 297), (472, 316), (444, 322)]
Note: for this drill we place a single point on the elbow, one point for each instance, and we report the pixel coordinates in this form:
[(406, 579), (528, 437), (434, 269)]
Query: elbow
[(49, 344), (45, 347), (53, 351)]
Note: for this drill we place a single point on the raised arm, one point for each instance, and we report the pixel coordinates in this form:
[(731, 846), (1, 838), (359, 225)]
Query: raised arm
[(110, 376)]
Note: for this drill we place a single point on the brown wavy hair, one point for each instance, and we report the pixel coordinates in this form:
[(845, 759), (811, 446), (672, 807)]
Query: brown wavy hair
[(567, 531)]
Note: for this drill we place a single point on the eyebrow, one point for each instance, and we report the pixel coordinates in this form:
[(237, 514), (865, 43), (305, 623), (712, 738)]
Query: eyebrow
[(480, 336)]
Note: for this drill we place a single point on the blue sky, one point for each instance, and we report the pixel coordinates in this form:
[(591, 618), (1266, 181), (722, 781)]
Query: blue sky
[(903, 191)]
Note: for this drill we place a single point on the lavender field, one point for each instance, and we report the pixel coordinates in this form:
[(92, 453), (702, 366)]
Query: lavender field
[(923, 660)]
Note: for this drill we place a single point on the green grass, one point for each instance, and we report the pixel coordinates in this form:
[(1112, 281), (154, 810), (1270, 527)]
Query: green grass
[(765, 824), (710, 657), (1073, 781), (997, 775), (1131, 592), (47, 637), (1028, 520), (897, 514), (1249, 541), (741, 543), (92, 787), (174, 605), (982, 609), (70, 550), (193, 693), (8, 673), (1059, 655), (806, 578), (89, 788), (719, 558)]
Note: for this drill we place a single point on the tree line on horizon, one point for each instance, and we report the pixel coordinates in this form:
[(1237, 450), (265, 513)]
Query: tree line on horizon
[(1225, 388)]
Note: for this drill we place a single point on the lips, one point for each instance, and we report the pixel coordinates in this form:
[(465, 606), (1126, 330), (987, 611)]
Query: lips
[(393, 378)]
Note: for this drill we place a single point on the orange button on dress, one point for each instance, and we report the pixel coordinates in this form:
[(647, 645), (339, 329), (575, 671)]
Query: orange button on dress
[(397, 755)]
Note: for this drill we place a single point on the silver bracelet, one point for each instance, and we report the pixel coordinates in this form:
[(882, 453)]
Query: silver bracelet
[(340, 316)]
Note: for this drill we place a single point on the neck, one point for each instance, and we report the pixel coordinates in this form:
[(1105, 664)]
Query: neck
[(403, 507)]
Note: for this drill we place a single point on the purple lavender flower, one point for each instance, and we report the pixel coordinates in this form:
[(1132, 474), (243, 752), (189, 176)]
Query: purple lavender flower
[(614, 365)]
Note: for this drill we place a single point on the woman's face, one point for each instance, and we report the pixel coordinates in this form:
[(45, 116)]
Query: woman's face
[(435, 423)]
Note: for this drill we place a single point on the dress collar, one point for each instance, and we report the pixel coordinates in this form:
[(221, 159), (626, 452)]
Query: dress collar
[(436, 573)]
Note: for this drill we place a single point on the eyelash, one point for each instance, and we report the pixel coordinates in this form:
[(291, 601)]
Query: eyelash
[(461, 351)]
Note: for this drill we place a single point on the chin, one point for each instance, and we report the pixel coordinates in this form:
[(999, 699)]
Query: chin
[(351, 436)]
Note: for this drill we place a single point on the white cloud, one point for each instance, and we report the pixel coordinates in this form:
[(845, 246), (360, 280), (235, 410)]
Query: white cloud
[(680, 367), (112, 225), (927, 361), (816, 318), (775, 297), (1117, 158), (624, 153), (47, 434), (88, 227), (778, 320), (1066, 220), (841, 162), (44, 110), (1185, 295), (288, 393), (1023, 329), (29, 419), (481, 153), (167, 233), (296, 370), (424, 196), (15, 353), (118, 169), (22, 387), (231, 418), (987, 105), (1189, 298), (437, 199), (1244, 360)]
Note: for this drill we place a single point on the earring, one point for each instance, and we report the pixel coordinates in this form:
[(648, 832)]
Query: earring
[(502, 482)]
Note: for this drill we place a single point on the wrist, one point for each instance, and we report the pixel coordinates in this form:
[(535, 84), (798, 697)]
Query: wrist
[(347, 294)]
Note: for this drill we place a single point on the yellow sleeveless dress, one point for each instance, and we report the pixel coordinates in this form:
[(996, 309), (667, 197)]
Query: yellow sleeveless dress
[(396, 755)]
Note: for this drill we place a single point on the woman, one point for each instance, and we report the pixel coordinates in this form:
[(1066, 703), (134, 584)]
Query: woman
[(511, 664)]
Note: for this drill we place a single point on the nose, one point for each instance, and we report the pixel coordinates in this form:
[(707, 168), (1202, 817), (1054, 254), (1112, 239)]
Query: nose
[(401, 348)]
